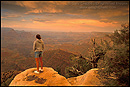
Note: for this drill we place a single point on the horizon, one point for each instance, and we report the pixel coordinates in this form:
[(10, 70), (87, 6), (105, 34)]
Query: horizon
[(53, 31), (65, 16)]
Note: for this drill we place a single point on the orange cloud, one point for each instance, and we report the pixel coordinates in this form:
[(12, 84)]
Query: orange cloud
[(71, 7), (73, 24), (49, 10), (34, 11), (2, 17), (23, 20), (111, 13), (37, 4), (108, 21), (76, 25), (11, 16), (89, 22), (41, 6), (70, 17), (28, 4)]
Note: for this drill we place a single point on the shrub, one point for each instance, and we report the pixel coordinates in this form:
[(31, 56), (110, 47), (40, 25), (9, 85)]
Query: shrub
[(80, 66), (116, 59)]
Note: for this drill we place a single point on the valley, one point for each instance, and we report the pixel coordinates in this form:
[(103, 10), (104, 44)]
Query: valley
[(17, 53), (17, 45)]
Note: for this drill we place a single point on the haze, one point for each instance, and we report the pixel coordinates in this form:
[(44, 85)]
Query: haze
[(64, 16)]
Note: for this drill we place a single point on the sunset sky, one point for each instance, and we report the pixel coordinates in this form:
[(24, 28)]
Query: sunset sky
[(65, 16)]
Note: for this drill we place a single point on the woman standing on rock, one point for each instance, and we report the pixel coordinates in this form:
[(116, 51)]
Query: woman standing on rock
[(38, 47)]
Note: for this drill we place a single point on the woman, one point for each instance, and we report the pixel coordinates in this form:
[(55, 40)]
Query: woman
[(38, 47)]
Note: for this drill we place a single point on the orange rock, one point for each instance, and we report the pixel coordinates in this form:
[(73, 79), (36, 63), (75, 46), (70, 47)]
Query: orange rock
[(49, 77), (90, 78)]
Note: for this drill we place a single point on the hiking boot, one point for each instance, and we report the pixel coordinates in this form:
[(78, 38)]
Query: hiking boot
[(36, 72), (41, 70)]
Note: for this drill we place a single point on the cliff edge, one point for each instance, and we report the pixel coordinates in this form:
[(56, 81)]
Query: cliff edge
[(49, 77)]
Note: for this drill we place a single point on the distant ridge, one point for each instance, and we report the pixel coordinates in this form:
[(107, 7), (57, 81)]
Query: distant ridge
[(6, 29)]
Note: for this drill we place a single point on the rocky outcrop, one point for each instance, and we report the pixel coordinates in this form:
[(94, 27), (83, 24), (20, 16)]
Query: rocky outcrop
[(49, 77), (90, 78)]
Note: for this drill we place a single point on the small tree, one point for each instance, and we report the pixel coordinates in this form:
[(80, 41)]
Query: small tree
[(80, 66), (97, 53), (58, 69)]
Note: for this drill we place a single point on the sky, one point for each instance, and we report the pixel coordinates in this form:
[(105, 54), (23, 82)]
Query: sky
[(65, 16)]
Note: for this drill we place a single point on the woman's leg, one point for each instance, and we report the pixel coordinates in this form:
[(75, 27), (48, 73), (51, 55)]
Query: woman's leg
[(37, 63), (41, 62)]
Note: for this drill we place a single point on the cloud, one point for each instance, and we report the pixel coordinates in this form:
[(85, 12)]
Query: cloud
[(69, 7), (112, 13), (27, 4), (11, 16), (2, 17), (23, 20), (77, 25), (105, 20), (41, 6), (34, 11), (11, 6), (72, 22), (108, 21), (41, 20), (45, 10), (63, 14)]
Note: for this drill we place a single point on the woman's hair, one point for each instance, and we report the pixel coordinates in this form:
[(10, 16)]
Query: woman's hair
[(38, 36)]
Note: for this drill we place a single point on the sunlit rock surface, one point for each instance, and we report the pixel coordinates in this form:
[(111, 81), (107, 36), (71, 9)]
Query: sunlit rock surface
[(49, 77)]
